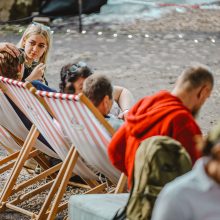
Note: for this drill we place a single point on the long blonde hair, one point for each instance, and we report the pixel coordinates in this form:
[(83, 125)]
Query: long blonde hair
[(38, 29)]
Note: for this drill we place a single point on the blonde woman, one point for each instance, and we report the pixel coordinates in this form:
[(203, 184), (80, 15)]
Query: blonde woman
[(36, 42)]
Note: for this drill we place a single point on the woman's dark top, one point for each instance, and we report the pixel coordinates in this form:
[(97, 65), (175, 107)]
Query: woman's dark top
[(28, 70)]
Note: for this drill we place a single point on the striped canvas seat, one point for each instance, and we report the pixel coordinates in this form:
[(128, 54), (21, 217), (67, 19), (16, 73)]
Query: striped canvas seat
[(84, 130), (7, 142), (13, 134), (44, 123), (11, 121)]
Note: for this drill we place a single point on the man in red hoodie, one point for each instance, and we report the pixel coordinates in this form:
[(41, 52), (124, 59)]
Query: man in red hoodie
[(170, 114)]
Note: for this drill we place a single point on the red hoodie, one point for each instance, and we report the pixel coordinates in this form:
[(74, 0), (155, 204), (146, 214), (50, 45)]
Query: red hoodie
[(160, 114)]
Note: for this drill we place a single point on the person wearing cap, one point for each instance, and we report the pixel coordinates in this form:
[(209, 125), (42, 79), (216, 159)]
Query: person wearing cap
[(195, 195)]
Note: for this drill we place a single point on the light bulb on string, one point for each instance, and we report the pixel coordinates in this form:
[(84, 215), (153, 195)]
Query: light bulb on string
[(130, 36)]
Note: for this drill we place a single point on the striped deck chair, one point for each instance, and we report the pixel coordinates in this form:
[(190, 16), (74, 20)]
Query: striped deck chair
[(42, 123), (13, 134), (88, 131)]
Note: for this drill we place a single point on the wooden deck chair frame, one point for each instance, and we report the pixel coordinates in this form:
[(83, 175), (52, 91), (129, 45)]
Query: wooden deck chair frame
[(8, 134), (82, 98), (13, 145), (9, 188)]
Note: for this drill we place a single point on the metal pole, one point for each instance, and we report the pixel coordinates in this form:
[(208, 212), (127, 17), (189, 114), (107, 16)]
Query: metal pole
[(80, 15)]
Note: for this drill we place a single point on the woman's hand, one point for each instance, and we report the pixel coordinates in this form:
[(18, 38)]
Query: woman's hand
[(37, 73), (123, 115), (9, 48)]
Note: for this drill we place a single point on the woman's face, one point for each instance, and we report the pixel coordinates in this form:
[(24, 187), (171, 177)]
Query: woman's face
[(35, 46), (78, 85)]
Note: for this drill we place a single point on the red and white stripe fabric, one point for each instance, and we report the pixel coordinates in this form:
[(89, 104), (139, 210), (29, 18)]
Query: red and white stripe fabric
[(36, 112), (10, 120), (7, 140), (84, 130)]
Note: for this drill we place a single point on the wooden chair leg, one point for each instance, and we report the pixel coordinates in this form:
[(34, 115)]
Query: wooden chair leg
[(23, 155), (60, 183), (91, 183), (10, 164), (9, 158), (121, 184), (63, 185)]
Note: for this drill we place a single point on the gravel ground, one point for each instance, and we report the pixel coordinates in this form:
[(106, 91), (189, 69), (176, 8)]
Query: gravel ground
[(148, 60)]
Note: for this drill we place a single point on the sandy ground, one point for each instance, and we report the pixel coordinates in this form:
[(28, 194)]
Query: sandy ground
[(142, 64)]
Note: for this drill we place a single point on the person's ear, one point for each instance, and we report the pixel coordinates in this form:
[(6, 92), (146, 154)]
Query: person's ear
[(105, 101), (203, 92), (20, 71), (216, 151), (19, 68)]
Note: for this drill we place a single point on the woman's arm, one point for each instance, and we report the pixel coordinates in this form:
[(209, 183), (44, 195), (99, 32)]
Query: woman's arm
[(124, 98)]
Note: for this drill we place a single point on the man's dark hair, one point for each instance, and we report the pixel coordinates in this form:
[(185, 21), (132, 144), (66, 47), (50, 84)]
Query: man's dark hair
[(96, 87), (9, 66), (70, 73), (196, 76)]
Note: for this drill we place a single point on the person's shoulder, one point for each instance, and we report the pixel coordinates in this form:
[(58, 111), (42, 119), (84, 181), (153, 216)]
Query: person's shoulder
[(40, 86)]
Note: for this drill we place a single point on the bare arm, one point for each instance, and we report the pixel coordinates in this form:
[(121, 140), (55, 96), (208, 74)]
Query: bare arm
[(37, 73), (124, 98)]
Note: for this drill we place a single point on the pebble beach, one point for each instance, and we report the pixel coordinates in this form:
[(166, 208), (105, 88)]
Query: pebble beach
[(144, 56)]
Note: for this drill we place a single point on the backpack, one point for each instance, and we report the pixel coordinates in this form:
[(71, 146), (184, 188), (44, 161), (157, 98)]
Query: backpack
[(158, 160)]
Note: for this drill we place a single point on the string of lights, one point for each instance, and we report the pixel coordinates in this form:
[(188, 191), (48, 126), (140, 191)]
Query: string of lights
[(133, 36)]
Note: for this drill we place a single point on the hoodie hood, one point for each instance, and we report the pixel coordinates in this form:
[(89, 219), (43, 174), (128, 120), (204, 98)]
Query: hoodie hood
[(150, 110)]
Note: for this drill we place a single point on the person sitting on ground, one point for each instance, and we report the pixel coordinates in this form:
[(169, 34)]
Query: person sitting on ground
[(196, 195), (164, 113), (99, 90), (72, 77)]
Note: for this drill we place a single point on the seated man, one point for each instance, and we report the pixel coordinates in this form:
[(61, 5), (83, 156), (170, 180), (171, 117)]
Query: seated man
[(164, 113), (72, 77), (99, 90), (196, 195)]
